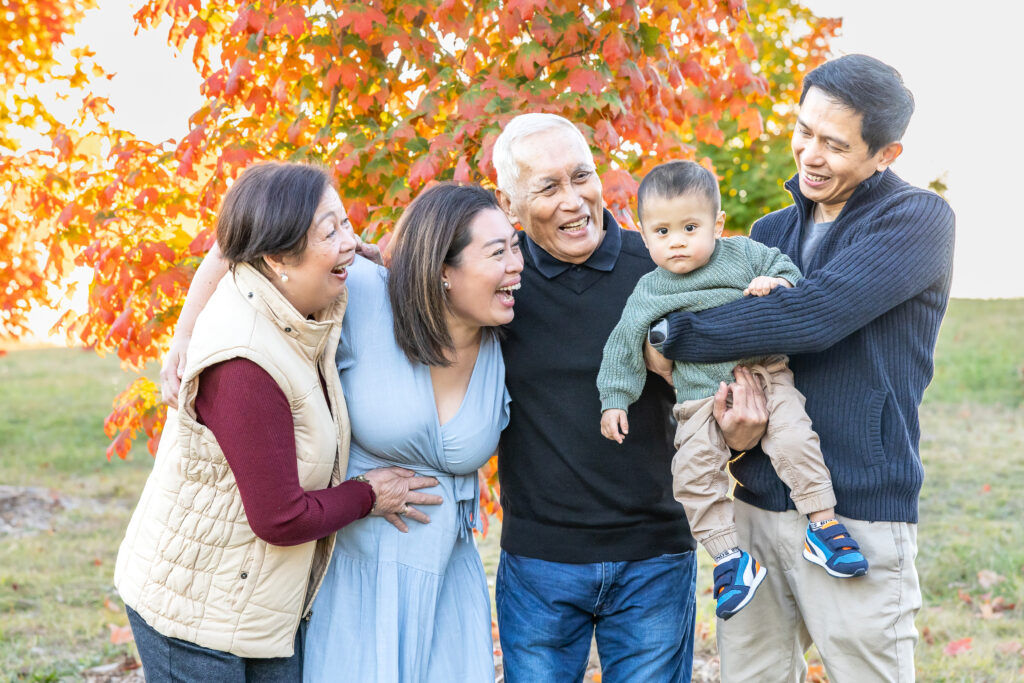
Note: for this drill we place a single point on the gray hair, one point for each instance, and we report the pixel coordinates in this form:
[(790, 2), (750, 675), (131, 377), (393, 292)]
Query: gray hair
[(515, 130)]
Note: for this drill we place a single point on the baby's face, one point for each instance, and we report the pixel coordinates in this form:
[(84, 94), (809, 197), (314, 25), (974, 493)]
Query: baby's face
[(680, 231)]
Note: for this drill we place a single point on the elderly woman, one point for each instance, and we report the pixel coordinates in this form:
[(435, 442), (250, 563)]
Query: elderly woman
[(422, 369), (231, 538)]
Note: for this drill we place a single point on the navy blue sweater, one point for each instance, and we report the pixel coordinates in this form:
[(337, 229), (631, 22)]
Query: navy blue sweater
[(860, 330)]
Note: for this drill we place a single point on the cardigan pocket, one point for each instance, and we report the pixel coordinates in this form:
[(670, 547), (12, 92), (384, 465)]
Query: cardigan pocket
[(875, 410)]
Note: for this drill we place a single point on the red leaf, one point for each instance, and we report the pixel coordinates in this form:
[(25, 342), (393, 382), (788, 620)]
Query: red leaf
[(956, 647), (583, 80), (462, 174), (423, 170)]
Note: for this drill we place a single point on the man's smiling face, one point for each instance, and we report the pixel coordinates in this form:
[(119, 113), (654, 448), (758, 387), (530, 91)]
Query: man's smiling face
[(831, 156), (557, 199)]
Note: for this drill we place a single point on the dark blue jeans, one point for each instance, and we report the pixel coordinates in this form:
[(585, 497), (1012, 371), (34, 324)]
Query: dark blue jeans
[(642, 614), (170, 659)]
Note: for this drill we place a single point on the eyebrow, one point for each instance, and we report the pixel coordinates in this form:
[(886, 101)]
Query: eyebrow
[(319, 219), (839, 142), (554, 179), (496, 240)]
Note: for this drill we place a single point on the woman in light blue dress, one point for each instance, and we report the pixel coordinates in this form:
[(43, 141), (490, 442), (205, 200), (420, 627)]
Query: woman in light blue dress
[(411, 607)]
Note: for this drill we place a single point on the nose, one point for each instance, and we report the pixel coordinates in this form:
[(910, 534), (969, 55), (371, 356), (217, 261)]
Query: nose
[(810, 152), (347, 242), (514, 264), (571, 199)]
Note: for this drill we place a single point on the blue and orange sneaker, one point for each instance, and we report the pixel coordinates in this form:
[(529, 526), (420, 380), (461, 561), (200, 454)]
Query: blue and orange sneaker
[(834, 549), (735, 583)]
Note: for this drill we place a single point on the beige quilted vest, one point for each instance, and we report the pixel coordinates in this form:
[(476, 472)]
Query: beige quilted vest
[(190, 564)]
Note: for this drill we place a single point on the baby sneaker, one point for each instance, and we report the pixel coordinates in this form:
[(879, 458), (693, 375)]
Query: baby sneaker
[(832, 547), (736, 580)]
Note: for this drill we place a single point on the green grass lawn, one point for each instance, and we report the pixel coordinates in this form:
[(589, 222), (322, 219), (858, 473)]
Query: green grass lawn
[(57, 600)]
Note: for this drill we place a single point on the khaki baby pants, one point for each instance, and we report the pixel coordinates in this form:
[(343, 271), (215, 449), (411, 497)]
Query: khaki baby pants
[(699, 478)]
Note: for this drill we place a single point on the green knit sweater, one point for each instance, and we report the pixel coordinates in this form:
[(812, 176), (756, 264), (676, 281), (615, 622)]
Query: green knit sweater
[(735, 262)]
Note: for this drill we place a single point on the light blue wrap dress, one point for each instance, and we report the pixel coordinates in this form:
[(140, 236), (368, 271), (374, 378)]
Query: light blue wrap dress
[(408, 607)]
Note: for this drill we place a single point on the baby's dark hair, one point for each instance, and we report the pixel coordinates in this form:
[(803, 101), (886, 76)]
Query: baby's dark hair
[(674, 178)]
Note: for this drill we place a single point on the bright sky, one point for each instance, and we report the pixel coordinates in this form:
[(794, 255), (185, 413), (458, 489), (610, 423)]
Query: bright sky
[(961, 66)]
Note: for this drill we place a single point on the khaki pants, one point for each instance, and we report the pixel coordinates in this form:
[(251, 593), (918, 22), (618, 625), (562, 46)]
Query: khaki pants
[(699, 478), (863, 627)]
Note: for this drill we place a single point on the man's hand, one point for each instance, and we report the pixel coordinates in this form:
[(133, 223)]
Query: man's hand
[(614, 425), (657, 363), (741, 410), (762, 285), (173, 370)]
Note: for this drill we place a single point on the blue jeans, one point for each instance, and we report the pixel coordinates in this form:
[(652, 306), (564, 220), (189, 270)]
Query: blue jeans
[(642, 614), (170, 659)]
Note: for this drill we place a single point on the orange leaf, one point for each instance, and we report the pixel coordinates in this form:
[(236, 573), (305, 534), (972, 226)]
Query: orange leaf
[(119, 635)]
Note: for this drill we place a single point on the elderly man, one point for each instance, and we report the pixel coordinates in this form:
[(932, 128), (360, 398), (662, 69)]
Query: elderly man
[(593, 543), (861, 332)]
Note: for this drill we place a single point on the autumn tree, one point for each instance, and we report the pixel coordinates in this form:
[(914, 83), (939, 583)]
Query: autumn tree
[(790, 42), (391, 96), (30, 35)]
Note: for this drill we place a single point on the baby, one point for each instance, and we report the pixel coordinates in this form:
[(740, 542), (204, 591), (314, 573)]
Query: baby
[(681, 224)]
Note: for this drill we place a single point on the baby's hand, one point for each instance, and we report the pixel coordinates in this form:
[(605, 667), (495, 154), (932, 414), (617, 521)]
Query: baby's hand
[(614, 424), (762, 284)]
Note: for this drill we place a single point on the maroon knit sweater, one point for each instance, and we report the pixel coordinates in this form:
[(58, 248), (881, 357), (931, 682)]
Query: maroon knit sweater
[(250, 417)]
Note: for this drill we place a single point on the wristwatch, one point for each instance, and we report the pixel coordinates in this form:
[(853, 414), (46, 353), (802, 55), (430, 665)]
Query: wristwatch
[(658, 333)]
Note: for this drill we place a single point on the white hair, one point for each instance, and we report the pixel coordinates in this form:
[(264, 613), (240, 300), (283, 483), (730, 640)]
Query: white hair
[(515, 130)]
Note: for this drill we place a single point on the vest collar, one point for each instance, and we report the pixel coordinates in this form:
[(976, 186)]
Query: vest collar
[(311, 335)]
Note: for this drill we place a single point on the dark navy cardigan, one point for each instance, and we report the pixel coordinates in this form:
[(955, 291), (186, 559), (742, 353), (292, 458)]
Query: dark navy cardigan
[(860, 330)]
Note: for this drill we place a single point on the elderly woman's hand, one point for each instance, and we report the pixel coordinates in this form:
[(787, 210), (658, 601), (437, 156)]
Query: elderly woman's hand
[(396, 489)]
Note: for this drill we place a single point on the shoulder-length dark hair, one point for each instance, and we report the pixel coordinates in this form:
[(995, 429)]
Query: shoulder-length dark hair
[(431, 233), (268, 211)]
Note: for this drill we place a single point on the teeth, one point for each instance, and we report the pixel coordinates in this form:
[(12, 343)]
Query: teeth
[(815, 178), (575, 225), (510, 288), (338, 270)]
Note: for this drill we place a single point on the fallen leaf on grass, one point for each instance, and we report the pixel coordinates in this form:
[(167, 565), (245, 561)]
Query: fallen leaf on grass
[(986, 488), (988, 578), (1010, 647), (109, 604), (119, 635), (964, 596), (992, 608), (926, 636), (956, 647)]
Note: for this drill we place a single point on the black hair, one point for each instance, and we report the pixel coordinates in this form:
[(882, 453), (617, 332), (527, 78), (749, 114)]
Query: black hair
[(674, 178), (268, 211), (431, 234), (871, 88)]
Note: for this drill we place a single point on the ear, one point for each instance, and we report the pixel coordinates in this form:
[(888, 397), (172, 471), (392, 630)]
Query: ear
[(276, 265), (643, 235), (887, 155), (505, 202), (719, 224)]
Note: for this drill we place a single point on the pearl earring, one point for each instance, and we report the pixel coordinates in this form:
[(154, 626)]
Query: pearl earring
[(284, 277), (447, 285)]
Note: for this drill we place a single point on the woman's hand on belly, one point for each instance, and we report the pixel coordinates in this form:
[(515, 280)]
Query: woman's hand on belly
[(396, 490)]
